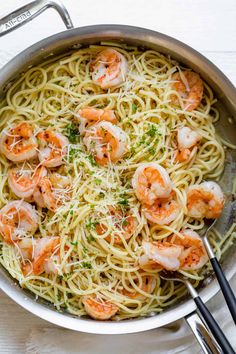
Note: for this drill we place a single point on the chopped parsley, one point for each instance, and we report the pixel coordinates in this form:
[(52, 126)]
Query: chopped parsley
[(142, 140), (85, 250), (91, 224), (86, 265), (91, 160), (132, 150), (74, 243), (124, 202), (152, 151), (134, 108), (90, 238), (124, 223), (72, 133), (152, 131), (98, 181), (73, 152), (64, 277)]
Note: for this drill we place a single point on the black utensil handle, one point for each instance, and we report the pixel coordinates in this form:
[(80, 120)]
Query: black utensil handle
[(213, 326), (225, 287)]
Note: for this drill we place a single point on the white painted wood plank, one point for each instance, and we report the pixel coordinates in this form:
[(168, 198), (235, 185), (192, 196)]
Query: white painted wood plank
[(225, 61), (15, 326), (206, 25), (210, 29)]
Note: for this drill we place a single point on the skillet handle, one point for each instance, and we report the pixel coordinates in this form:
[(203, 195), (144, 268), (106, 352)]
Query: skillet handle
[(205, 339), (29, 11)]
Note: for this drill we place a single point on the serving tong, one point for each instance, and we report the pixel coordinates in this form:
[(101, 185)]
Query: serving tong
[(224, 285), (205, 313), (223, 282)]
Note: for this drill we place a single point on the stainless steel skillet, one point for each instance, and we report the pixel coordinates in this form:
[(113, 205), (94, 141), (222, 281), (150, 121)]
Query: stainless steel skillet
[(226, 94)]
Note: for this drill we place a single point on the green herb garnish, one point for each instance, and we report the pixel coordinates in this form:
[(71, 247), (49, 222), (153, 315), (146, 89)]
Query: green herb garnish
[(134, 108), (124, 202), (86, 265), (90, 238), (152, 151), (73, 152), (72, 133), (92, 161), (91, 224), (85, 250), (152, 131), (142, 140), (98, 181)]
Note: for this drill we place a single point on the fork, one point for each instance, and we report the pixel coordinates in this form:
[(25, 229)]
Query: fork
[(223, 282), (209, 319)]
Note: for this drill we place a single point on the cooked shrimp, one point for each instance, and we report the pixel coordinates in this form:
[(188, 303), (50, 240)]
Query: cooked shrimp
[(187, 253), (162, 212), (25, 246), (99, 309), (52, 148), (189, 86), (165, 254), (151, 181), (38, 197), (41, 255), (193, 256), (106, 141), (19, 143), (109, 68), (129, 225), (52, 191), (205, 200), (17, 220), (148, 286), (184, 155), (89, 116), (126, 222), (95, 115), (187, 139), (23, 181)]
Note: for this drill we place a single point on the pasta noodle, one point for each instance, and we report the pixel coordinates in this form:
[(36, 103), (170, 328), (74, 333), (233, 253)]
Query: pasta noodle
[(50, 95)]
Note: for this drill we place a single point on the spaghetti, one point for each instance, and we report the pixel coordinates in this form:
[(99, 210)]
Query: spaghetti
[(97, 202)]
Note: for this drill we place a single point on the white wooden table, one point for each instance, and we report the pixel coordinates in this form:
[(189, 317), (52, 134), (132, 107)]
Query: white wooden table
[(207, 25)]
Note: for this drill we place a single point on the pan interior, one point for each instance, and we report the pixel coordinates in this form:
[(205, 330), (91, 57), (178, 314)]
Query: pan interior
[(226, 128)]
